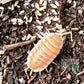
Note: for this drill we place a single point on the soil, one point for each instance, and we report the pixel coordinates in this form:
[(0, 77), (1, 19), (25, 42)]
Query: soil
[(18, 23)]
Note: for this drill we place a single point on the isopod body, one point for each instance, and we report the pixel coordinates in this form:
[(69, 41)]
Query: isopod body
[(44, 52)]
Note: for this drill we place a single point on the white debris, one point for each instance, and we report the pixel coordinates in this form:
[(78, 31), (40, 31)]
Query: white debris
[(39, 27), (16, 3), (26, 4), (42, 8), (80, 11), (55, 18), (53, 6), (18, 6), (32, 5), (1, 8), (74, 3), (21, 12), (12, 8), (41, 1), (81, 32), (39, 22), (38, 13), (39, 36), (57, 4), (9, 7), (28, 36), (69, 1), (33, 37), (26, 18), (45, 3), (37, 5), (29, 0), (1, 51), (21, 80), (30, 19), (54, 12), (24, 38), (7, 37), (49, 0), (14, 21), (20, 21), (49, 21), (46, 19), (17, 20), (43, 34)]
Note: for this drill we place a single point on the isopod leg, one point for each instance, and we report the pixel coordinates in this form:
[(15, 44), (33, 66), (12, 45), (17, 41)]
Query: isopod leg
[(26, 72), (54, 63), (47, 30), (46, 70), (31, 72), (39, 73), (40, 78), (62, 32), (68, 33), (60, 28)]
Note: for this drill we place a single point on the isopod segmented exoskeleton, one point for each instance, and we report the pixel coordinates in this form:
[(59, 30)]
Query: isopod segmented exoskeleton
[(46, 50)]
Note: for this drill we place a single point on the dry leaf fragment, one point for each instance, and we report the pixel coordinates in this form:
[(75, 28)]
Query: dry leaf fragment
[(4, 1)]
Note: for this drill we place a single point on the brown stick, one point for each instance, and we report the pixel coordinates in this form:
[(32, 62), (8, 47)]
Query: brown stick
[(80, 73), (12, 46), (63, 71)]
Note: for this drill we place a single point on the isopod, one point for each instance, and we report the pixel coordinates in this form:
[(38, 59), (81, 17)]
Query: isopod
[(45, 51)]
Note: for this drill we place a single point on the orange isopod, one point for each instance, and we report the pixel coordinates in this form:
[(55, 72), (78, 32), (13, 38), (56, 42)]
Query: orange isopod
[(44, 52)]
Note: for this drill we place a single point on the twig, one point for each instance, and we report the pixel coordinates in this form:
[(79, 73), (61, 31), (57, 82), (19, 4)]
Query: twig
[(64, 71), (12, 46), (80, 73)]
